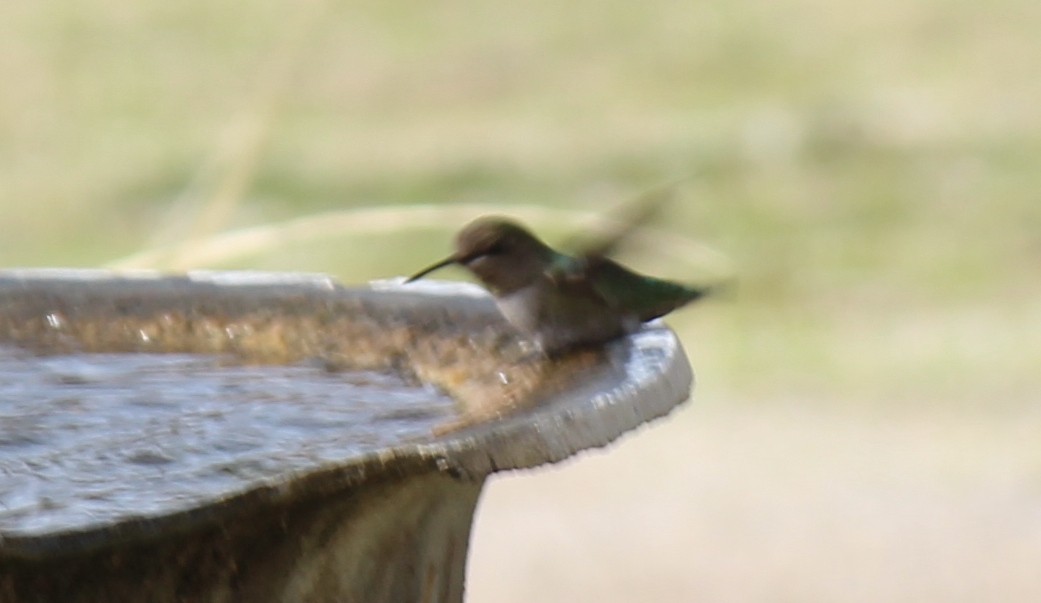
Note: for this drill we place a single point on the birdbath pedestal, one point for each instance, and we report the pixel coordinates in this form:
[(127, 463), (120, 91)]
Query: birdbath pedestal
[(223, 437)]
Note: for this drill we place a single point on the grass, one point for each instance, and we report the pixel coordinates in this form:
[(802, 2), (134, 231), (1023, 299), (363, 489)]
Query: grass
[(869, 169)]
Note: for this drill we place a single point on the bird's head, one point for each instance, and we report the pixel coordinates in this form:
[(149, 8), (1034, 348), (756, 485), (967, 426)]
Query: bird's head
[(503, 255)]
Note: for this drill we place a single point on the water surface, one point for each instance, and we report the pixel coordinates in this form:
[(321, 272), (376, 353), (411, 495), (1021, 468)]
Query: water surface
[(90, 439)]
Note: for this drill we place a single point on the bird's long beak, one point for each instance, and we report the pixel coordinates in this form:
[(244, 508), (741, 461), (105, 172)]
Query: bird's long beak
[(445, 262)]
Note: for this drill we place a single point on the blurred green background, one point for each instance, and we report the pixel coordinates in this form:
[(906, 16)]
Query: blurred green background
[(867, 419)]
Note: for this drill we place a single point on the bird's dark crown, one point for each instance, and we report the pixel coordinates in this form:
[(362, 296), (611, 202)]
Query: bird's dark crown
[(492, 236)]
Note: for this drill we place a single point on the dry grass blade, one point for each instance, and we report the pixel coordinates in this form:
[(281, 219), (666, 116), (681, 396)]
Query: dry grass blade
[(222, 181), (368, 220)]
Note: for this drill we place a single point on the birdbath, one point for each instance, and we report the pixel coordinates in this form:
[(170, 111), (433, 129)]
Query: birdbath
[(278, 437)]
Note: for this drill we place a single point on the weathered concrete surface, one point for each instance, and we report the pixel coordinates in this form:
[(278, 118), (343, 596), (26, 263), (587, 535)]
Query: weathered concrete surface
[(402, 540)]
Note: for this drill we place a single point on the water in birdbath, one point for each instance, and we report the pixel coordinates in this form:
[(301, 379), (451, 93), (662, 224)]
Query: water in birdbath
[(93, 439)]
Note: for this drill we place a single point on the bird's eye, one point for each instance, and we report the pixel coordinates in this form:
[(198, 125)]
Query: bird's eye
[(496, 249)]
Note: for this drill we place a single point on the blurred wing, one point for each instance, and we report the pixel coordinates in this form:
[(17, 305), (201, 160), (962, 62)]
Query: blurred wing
[(623, 220), (591, 274)]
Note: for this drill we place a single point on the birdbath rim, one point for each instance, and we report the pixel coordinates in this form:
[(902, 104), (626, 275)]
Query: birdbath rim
[(635, 379)]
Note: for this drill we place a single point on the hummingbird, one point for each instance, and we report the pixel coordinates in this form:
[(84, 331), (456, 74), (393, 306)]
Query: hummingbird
[(560, 301)]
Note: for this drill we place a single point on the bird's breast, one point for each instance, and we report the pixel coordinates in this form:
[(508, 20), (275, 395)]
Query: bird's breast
[(555, 320), (521, 308)]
